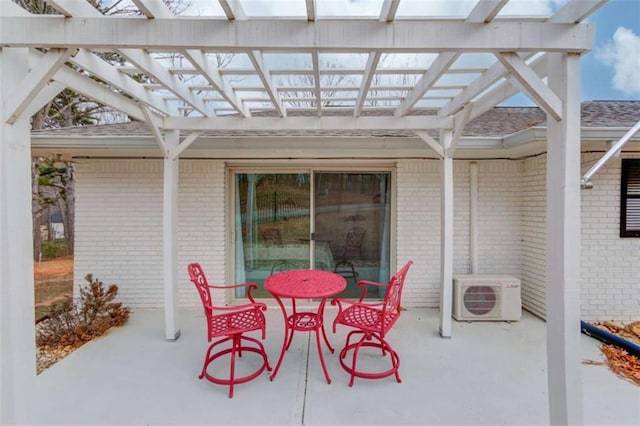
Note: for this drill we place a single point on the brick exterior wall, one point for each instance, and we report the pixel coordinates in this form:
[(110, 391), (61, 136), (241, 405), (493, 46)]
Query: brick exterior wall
[(119, 226), (119, 230)]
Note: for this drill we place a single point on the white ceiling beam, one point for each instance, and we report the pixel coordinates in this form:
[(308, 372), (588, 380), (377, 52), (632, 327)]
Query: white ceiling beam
[(70, 8), (489, 77), (141, 59), (39, 75), (325, 71), (233, 10), (369, 72), (307, 123), (485, 10), (438, 67), (100, 93), (532, 84), (150, 66), (265, 76), (505, 90), (153, 8), (210, 72), (571, 12), (155, 130), (388, 10), (311, 10), (433, 144), (291, 35), (315, 60), (110, 74)]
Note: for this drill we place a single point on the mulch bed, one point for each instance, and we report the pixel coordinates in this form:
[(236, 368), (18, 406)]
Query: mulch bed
[(617, 359)]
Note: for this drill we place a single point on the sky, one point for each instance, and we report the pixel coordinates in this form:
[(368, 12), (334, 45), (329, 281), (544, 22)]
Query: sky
[(611, 71)]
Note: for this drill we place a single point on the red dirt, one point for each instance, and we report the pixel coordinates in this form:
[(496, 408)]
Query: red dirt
[(58, 267)]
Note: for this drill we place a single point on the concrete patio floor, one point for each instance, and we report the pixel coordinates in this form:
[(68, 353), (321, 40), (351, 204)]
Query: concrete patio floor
[(486, 374)]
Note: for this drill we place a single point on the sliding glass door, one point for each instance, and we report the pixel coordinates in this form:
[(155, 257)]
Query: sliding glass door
[(336, 221)]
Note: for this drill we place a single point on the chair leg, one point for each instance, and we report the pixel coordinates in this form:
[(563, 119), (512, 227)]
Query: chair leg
[(234, 348), (369, 340)]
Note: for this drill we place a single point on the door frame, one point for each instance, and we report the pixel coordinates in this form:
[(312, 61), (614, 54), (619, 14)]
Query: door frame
[(300, 166)]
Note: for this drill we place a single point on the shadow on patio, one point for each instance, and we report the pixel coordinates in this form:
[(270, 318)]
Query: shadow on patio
[(488, 373)]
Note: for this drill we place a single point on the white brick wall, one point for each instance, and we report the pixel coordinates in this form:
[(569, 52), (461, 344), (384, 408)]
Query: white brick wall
[(119, 230), (499, 227), (418, 225), (534, 235), (119, 226), (610, 264)]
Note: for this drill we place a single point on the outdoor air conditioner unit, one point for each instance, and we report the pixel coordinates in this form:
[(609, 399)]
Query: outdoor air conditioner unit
[(486, 298)]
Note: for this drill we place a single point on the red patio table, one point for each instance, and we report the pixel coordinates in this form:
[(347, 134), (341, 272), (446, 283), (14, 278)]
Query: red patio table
[(304, 284)]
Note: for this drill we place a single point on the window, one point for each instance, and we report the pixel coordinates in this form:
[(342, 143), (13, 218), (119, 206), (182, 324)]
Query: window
[(630, 199)]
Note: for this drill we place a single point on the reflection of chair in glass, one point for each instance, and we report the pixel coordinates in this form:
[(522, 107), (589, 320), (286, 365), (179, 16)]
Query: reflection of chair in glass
[(352, 250), (372, 321), (228, 324), (271, 236)]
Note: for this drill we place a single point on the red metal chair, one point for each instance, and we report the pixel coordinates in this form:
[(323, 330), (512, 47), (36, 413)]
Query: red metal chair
[(371, 321), (228, 324)]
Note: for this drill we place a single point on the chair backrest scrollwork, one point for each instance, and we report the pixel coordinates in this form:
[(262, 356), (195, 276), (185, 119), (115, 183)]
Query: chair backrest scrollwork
[(198, 278), (392, 299)]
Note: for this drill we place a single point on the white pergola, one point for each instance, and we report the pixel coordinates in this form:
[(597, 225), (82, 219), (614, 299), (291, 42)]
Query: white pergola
[(293, 73)]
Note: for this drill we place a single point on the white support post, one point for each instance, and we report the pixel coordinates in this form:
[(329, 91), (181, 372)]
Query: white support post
[(17, 318), (446, 235), (169, 222), (563, 244)]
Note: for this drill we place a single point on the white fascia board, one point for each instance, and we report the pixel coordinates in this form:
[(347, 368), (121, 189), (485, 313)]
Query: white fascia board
[(290, 35), (307, 123)]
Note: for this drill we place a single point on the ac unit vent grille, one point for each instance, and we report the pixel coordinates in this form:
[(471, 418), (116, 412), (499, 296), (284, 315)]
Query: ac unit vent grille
[(481, 299)]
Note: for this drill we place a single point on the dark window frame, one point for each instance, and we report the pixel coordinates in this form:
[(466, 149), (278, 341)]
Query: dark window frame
[(630, 170)]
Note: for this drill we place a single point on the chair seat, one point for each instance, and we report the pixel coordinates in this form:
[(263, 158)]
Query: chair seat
[(237, 322), (366, 318)]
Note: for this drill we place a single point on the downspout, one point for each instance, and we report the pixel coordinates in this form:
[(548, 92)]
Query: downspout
[(473, 227), (585, 181)]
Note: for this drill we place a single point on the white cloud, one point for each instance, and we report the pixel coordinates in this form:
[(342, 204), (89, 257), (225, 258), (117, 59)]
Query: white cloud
[(622, 53)]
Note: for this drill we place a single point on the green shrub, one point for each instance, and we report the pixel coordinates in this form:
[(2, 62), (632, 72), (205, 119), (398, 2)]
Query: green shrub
[(54, 248), (74, 323)]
